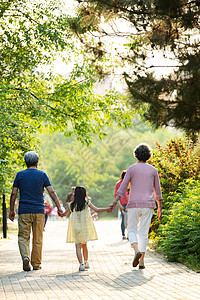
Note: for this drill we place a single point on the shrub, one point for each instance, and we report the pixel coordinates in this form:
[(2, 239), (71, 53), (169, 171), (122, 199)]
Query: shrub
[(180, 236), (176, 163)]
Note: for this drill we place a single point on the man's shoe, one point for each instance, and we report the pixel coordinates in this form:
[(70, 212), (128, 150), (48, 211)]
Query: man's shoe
[(26, 264), (35, 268), (137, 256)]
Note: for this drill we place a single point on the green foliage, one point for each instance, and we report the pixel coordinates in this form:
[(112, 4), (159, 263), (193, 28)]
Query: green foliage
[(175, 163), (164, 27), (97, 167), (180, 236), (75, 108), (32, 35), (30, 32)]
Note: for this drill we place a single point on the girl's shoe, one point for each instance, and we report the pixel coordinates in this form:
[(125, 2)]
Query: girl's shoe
[(82, 267), (87, 265)]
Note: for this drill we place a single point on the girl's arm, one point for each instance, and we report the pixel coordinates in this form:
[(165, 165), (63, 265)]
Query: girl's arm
[(99, 210)]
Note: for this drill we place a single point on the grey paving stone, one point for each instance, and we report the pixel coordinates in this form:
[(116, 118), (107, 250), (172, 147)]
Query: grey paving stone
[(110, 276)]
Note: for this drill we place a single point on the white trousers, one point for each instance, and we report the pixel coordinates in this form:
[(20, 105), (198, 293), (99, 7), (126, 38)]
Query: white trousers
[(139, 221)]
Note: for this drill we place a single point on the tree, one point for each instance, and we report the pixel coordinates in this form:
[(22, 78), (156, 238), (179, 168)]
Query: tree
[(98, 166), (27, 31), (32, 34), (169, 27)]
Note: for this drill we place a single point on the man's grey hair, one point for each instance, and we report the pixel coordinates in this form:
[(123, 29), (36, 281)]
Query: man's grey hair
[(31, 158)]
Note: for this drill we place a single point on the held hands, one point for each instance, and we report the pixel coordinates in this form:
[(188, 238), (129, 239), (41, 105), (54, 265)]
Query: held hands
[(60, 212), (111, 207)]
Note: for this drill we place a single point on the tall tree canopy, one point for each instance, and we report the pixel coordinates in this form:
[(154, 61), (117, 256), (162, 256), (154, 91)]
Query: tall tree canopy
[(32, 34), (170, 28)]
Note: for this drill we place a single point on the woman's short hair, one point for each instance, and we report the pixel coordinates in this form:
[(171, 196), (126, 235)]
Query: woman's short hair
[(123, 173), (31, 158), (143, 152)]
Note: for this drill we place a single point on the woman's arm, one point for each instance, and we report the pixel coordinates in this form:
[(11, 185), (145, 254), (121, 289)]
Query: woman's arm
[(159, 209), (157, 188), (117, 198), (158, 194)]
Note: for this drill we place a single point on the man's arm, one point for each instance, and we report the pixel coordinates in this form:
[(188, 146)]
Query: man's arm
[(13, 197), (54, 197)]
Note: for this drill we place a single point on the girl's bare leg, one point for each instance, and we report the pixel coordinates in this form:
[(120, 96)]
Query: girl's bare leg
[(85, 252), (78, 253)]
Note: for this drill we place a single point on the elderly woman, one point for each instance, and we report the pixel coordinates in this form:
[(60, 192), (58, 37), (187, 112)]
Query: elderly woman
[(144, 190), (31, 183)]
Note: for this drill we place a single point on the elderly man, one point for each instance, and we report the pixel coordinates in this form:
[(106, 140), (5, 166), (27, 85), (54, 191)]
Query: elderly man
[(31, 183)]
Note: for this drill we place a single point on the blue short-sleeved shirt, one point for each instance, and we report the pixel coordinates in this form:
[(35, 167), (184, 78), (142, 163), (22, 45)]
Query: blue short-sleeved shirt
[(31, 183)]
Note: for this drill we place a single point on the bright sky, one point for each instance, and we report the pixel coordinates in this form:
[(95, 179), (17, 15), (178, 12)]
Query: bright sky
[(158, 60)]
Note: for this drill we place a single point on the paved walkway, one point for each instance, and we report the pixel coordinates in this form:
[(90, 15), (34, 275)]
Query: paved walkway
[(110, 276)]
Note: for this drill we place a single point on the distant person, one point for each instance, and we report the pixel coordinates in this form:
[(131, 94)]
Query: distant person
[(144, 189), (54, 212), (31, 183), (70, 195), (81, 227), (122, 205), (47, 208)]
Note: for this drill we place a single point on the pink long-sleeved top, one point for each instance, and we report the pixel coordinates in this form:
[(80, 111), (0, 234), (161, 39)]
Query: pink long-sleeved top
[(144, 185), (123, 200)]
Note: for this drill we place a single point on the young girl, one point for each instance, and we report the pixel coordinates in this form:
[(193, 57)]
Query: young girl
[(81, 227)]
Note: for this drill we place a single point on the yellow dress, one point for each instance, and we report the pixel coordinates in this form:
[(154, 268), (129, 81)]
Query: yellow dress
[(81, 227)]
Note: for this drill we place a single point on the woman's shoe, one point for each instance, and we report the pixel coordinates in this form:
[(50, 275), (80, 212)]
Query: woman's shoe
[(141, 265), (137, 256)]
